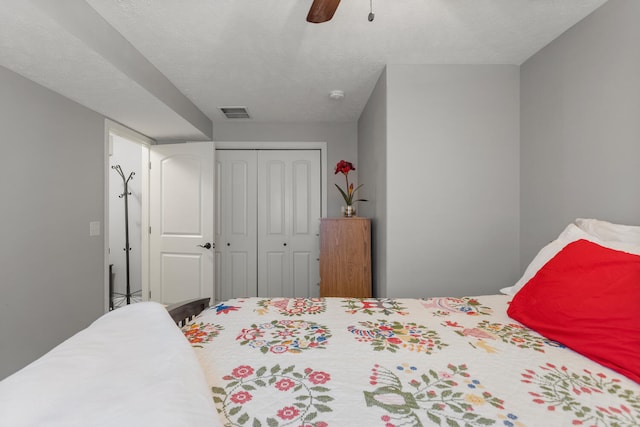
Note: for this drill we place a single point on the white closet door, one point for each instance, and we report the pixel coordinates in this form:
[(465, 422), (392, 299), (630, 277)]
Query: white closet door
[(236, 224), (288, 223)]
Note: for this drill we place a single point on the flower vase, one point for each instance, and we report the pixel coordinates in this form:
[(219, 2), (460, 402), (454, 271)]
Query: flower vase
[(349, 211)]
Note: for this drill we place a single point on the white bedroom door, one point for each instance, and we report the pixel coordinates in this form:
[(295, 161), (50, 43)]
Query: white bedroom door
[(181, 245), (236, 224), (289, 213)]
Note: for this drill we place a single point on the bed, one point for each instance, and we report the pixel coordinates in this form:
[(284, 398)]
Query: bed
[(470, 361), (318, 362), (398, 362)]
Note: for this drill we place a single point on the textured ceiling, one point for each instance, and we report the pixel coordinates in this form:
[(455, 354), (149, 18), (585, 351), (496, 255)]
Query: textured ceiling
[(262, 54), (34, 46)]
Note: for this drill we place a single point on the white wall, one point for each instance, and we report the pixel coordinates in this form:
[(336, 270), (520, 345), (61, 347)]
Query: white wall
[(372, 172), (581, 126), (128, 155), (452, 179), (341, 139), (51, 187)]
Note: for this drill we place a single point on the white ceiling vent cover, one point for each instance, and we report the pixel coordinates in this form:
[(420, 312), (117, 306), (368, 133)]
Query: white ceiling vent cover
[(235, 112)]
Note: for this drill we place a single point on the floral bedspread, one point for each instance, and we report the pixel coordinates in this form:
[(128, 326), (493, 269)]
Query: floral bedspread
[(398, 362)]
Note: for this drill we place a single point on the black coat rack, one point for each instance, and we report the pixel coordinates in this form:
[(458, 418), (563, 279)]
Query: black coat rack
[(125, 195)]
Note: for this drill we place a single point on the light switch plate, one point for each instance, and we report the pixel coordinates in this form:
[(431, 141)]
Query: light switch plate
[(94, 228)]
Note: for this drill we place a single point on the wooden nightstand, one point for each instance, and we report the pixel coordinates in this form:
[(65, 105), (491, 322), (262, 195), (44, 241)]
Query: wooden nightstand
[(345, 257)]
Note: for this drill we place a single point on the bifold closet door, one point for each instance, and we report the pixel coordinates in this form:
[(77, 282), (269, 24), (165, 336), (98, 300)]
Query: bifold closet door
[(236, 224), (288, 223)]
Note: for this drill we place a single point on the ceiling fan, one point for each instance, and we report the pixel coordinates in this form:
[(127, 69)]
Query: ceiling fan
[(322, 10)]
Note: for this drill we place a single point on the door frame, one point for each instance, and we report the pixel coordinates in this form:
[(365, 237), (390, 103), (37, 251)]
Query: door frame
[(286, 145), (111, 127)]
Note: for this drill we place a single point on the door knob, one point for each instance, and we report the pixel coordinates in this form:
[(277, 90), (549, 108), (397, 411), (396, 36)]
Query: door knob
[(206, 246)]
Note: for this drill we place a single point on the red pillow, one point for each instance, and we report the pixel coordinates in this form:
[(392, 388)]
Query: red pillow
[(588, 298)]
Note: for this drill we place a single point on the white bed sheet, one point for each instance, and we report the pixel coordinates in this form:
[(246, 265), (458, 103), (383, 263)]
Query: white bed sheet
[(131, 367)]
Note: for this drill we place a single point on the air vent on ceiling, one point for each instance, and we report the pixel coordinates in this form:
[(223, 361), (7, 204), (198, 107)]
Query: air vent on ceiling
[(235, 112)]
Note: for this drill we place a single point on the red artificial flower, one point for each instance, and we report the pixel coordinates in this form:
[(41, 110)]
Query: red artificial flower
[(344, 168)]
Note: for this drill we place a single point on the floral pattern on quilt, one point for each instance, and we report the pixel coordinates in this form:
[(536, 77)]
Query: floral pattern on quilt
[(223, 308), (448, 397), (302, 396), (257, 368), (394, 335), (201, 333), (510, 333), (292, 306), (285, 336), (562, 389), (373, 306), (447, 306)]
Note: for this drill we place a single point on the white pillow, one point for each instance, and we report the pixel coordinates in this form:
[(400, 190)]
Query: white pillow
[(570, 234), (610, 232)]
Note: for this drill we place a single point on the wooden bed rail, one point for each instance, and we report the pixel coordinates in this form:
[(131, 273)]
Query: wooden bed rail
[(184, 311)]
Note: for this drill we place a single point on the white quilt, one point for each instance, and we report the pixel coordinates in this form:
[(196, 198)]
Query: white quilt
[(131, 367), (398, 362)]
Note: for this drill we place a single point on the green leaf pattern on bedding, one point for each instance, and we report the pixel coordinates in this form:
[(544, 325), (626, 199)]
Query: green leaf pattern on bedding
[(447, 306), (561, 389), (373, 306), (510, 333), (447, 397), (305, 394)]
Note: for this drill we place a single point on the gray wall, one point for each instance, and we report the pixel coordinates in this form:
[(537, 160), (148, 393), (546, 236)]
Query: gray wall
[(452, 178), (51, 187), (580, 126), (341, 139), (372, 157)]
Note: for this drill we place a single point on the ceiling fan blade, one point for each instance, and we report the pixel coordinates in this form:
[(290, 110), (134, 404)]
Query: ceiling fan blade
[(322, 10)]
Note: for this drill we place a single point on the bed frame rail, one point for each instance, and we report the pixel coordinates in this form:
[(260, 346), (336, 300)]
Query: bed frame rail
[(183, 312)]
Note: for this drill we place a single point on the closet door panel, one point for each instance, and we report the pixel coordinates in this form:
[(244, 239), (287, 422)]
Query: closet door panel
[(274, 201), (275, 283), (242, 282), (240, 194), (304, 241), (288, 222), (302, 191), (236, 224), (303, 274), (274, 198)]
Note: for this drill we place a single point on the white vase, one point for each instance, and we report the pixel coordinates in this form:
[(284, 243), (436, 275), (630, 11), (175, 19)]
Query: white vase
[(349, 211)]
